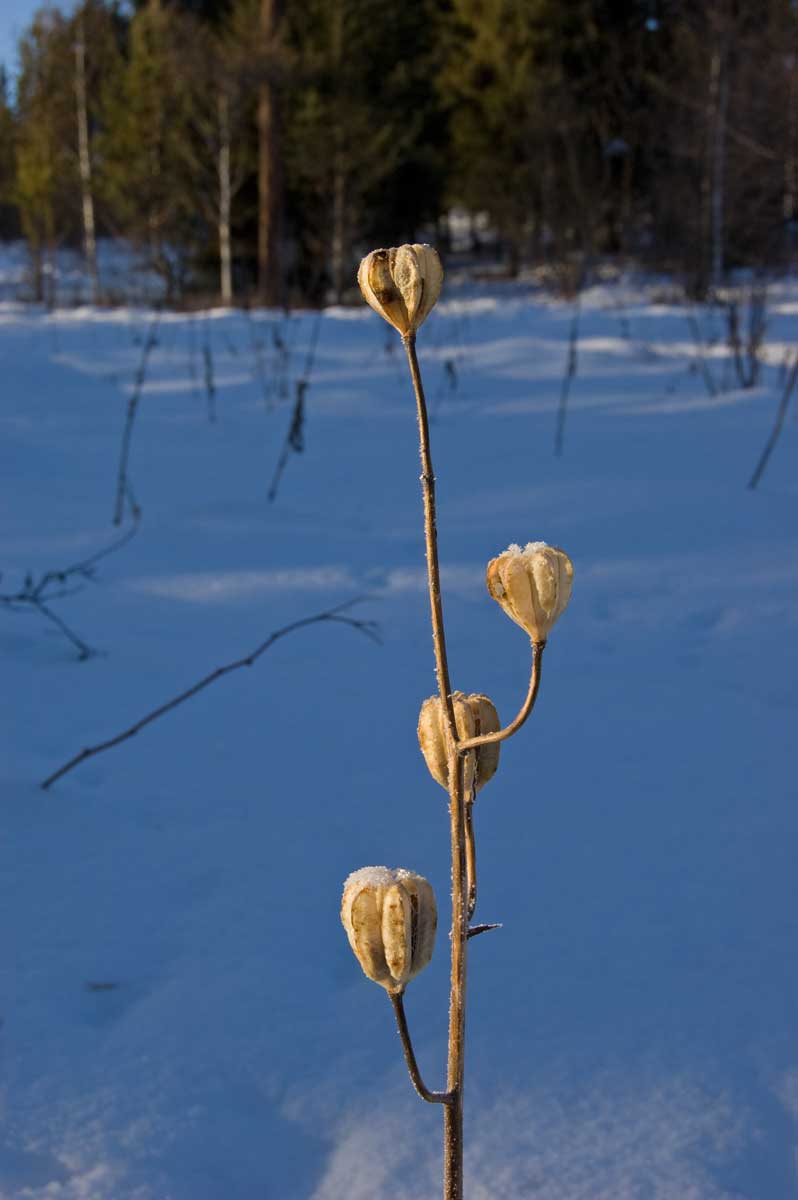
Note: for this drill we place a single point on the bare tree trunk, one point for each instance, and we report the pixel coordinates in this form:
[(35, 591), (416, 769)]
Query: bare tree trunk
[(712, 185), (338, 244), (337, 250), (37, 268), (84, 164), (790, 167), (50, 294), (720, 88), (225, 204), (269, 174)]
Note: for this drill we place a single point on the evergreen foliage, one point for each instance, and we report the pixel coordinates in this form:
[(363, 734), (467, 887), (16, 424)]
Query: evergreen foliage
[(656, 129)]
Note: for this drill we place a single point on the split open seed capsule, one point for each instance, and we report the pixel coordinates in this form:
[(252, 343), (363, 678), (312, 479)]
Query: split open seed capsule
[(390, 918), (402, 284), (473, 714), (532, 585)]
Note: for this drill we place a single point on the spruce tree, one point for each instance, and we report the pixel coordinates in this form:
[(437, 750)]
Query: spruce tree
[(146, 174), (9, 219), (46, 181)]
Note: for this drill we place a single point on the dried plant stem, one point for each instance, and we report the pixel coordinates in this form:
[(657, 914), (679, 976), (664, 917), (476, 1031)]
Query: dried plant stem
[(123, 488), (471, 858), (53, 585), (453, 1110), (334, 615), (571, 365), (431, 538), (781, 413), (453, 1113), (397, 1001), (484, 739)]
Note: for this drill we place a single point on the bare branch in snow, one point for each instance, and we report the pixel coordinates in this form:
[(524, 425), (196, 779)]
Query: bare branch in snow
[(37, 594), (295, 438), (123, 488), (781, 413), (335, 615)]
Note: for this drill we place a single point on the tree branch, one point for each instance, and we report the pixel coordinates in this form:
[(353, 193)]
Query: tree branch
[(295, 438), (571, 365), (38, 594), (368, 628), (781, 413), (123, 488)]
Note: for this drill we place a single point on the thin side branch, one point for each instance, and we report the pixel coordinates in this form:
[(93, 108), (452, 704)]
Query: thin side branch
[(484, 739), (571, 365), (295, 438), (38, 594), (123, 489), (368, 628), (476, 930), (410, 1058), (781, 413), (208, 372), (701, 357)]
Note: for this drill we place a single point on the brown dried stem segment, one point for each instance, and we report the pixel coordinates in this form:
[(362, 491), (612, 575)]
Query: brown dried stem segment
[(397, 1000), (431, 538), (453, 1111), (526, 708), (471, 856)]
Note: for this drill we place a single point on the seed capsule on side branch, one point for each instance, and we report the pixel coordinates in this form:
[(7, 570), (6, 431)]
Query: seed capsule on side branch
[(473, 714), (402, 284), (390, 918), (532, 585)]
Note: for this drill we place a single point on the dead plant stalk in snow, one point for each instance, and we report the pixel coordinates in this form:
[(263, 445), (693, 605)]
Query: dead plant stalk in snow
[(389, 915)]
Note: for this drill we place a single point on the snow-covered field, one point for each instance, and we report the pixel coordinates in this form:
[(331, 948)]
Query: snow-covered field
[(182, 1018)]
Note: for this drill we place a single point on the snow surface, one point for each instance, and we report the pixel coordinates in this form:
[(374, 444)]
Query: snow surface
[(182, 1017)]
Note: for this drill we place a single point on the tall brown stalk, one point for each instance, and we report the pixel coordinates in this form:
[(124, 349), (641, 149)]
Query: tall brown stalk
[(389, 914), (463, 862)]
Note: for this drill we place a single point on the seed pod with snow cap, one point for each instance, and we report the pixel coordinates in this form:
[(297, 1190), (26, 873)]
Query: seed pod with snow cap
[(473, 715), (390, 918), (402, 284), (532, 585)]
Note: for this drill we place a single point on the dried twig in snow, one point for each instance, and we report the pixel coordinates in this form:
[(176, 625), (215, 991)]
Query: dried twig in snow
[(331, 615)]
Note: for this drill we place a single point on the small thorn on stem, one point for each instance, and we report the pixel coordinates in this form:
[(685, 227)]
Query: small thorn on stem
[(474, 930)]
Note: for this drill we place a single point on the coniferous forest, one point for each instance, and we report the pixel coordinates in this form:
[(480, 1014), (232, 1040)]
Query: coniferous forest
[(254, 149)]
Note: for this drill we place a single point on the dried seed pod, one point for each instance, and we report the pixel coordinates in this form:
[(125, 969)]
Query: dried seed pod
[(402, 284), (486, 720), (473, 714), (390, 919), (532, 585)]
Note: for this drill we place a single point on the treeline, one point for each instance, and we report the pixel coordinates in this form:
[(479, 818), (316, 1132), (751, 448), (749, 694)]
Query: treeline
[(255, 148)]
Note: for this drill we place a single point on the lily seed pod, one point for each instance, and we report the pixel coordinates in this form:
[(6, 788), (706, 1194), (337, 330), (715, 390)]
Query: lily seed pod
[(390, 919), (402, 284), (532, 585), (473, 715)]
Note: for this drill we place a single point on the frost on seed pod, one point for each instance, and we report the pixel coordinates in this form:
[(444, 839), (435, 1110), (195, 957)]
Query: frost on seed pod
[(532, 585), (473, 715), (390, 919), (402, 284)]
